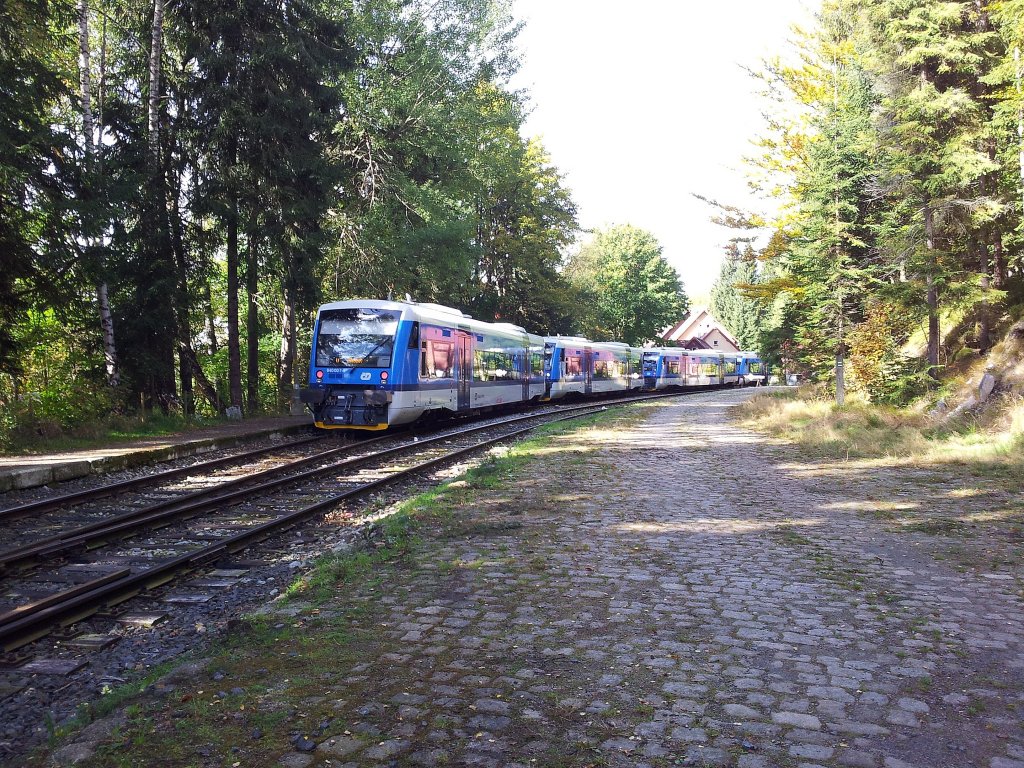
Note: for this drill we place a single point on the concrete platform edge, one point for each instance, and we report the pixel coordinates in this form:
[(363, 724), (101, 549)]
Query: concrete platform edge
[(59, 471)]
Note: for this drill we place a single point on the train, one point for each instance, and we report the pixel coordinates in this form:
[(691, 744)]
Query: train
[(378, 363)]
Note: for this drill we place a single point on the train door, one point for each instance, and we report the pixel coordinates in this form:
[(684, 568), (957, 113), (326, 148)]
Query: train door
[(649, 368), (549, 354), (588, 371), (524, 372), (465, 375), (721, 370)]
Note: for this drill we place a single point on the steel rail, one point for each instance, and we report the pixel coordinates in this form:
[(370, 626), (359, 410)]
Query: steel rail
[(72, 499), (30, 624), (165, 512), (78, 497), (17, 556), (122, 526)]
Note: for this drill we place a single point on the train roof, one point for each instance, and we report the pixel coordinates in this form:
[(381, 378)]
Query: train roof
[(432, 313), (569, 339)]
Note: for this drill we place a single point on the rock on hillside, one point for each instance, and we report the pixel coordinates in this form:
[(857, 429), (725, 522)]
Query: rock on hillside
[(1001, 373)]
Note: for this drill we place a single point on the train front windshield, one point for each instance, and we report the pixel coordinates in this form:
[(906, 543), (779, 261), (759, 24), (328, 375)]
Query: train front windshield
[(356, 337)]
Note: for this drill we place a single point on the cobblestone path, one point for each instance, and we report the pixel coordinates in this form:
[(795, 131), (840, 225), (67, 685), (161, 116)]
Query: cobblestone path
[(675, 593)]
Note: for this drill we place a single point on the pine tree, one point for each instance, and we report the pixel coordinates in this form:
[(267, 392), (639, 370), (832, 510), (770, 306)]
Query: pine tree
[(731, 303), (928, 55)]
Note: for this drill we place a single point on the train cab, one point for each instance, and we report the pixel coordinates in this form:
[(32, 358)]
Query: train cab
[(378, 363), (663, 367), (753, 370)]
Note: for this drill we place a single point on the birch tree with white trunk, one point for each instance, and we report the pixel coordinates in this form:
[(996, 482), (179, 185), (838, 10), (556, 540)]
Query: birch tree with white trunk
[(92, 147)]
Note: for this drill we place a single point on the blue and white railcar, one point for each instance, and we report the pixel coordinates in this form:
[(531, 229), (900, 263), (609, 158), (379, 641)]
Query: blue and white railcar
[(664, 367), (753, 370), (705, 368), (612, 367), (569, 366), (579, 366), (378, 363)]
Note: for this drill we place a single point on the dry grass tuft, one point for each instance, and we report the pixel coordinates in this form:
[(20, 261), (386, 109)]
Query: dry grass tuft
[(858, 430), (989, 447)]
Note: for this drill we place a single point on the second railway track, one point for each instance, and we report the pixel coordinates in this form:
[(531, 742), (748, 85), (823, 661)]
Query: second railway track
[(90, 569)]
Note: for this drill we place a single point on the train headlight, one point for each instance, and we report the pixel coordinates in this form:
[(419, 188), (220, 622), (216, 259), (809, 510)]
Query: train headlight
[(383, 375), (319, 375)]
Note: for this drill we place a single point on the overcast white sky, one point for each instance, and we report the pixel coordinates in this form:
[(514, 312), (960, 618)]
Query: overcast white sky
[(643, 103)]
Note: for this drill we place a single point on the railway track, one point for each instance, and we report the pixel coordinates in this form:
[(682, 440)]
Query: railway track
[(114, 559), (66, 500)]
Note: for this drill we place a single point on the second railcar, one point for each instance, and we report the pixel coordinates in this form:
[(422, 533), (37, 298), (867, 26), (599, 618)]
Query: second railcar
[(575, 365)]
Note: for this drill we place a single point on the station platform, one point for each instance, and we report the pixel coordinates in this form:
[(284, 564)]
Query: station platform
[(31, 471)]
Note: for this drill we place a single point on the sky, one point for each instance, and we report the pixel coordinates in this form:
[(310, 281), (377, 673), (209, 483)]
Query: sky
[(642, 104)]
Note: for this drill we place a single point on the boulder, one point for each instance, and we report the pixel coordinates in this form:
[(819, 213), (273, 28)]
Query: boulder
[(985, 387)]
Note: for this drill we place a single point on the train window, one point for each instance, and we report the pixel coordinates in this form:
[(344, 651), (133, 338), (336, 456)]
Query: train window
[(673, 367), (601, 369), (437, 359), (414, 336), (573, 366), (351, 337), (536, 363), (493, 365)]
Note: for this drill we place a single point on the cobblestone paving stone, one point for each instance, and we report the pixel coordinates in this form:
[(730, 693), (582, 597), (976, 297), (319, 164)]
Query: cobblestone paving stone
[(681, 594)]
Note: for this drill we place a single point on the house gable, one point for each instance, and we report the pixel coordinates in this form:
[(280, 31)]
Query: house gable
[(700, 330)]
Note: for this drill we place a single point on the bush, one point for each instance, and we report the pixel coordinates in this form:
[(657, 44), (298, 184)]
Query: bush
[(880, 369)]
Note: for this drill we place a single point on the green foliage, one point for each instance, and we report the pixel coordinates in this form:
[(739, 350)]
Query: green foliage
[(31, 73), (879, 366), (895, 149), (526, 218), (731, 302), (294, 151), (628, 291)]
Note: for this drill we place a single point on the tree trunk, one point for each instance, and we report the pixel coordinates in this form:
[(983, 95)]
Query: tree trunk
[(107, 327), (182, 314), (209, 391), (90, 148), (1018, 77), (999, 259), (85, 77), (162, 271), (234, 353), (155, 58), (932, 298), (288, 338), (211, 323), (252, 321), (984, 311)]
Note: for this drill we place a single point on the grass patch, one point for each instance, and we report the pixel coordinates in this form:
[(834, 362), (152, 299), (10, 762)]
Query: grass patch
[(113, 429), (963, 482), (861, 430), (110, 700)]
